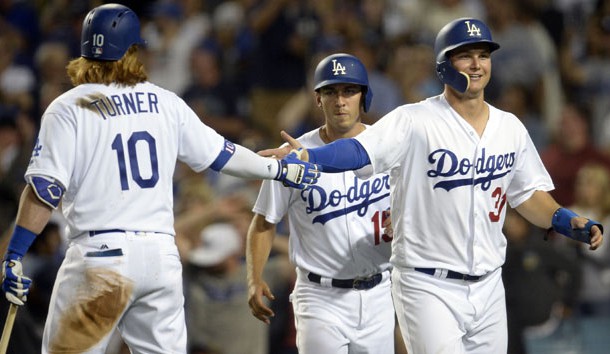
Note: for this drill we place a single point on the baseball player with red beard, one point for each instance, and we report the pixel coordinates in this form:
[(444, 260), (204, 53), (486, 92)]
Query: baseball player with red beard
[(454, 163), (342, 301), (107, 150)]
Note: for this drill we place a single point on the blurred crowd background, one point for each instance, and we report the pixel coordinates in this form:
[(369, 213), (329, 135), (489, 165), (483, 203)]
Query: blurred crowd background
[(245, 66)]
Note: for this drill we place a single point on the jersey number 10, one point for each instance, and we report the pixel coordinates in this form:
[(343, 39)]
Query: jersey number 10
[(132, 154)]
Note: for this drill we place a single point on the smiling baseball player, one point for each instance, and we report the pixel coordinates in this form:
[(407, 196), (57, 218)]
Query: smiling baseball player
[(107, 150), (455, 162), (342, 301)]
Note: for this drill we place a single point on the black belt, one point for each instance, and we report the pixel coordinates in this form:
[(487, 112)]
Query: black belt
[(451, 274), (357, 284), (99, 232)]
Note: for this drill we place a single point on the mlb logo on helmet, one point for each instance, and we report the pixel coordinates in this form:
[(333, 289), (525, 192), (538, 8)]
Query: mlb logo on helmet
[(97, 50)]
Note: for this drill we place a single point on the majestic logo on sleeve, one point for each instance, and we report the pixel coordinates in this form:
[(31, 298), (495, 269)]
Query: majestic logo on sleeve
[(454, 171), (358, 198), (37, 148), (35, 151)]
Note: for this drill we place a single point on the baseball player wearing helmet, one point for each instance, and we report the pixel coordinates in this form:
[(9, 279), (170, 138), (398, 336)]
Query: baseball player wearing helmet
[(342, 298), (455, 162), (107, 150)]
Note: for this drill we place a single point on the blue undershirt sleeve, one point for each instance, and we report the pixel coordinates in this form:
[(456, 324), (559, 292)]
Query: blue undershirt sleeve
[(339, 156)]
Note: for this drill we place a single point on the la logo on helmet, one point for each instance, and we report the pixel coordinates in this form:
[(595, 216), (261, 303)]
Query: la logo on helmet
[(473, 30), (338, 68)]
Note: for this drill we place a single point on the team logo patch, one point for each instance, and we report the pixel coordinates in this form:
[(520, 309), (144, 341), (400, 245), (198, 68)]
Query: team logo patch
[(37, 148), (473, 30), (338, 69)]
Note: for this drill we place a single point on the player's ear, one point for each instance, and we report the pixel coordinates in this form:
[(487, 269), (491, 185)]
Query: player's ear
[(318, 99)]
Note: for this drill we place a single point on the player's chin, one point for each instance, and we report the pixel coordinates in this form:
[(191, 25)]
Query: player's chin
[(478, 83)]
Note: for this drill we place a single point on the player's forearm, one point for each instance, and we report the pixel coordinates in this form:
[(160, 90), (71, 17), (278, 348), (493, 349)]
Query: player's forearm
[(244, 163), (258, 247), (539, 209), (339, 156), (33, 214)]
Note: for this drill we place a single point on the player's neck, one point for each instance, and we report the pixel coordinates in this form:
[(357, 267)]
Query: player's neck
[(328, 135), (473, 110)]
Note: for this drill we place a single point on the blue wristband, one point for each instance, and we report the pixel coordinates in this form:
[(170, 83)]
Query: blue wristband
[(21, 240), (561, 221)]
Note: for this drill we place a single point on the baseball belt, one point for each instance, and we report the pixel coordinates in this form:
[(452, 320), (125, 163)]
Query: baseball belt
[(357, 283), (99, 232), (449, 274), (127, 232)]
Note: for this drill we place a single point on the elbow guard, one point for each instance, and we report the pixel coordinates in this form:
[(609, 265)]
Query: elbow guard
[(47, 189)]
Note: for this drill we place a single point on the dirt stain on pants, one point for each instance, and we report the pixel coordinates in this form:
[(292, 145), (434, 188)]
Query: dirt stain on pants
[(95, 312)]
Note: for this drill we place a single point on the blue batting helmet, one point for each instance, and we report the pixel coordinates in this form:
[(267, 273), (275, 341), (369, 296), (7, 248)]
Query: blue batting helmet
[(455, 34), (343, 68), (108, 31)]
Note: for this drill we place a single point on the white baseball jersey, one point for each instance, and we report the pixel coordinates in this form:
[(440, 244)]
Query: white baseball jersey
[(335, 225), (128, 137), (450, 186)]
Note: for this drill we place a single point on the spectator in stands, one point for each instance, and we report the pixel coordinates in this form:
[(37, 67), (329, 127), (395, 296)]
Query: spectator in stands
[(572, 147), (171, 36), (541, 282), (592, 196), (586, 72), (285, 30), (212, 97)]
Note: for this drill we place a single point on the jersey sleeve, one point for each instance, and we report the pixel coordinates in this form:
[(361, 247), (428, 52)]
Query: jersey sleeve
[(530, 174), (273, 201), (385, 142), (54, 152), (199, 144)]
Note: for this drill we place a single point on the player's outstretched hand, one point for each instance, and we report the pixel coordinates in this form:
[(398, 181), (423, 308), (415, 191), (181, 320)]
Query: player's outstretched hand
[(15, 286), (256, 303), (296, 173), (284, 150)]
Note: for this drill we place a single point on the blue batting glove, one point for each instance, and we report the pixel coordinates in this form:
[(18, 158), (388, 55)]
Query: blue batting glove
[(15, 285)]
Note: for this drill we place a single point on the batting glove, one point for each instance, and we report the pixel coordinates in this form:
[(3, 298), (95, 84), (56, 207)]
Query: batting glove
[(15, 286), (296, 173)]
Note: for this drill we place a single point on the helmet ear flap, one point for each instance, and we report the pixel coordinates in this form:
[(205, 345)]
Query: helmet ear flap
[(456, 79), (368, 98)]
